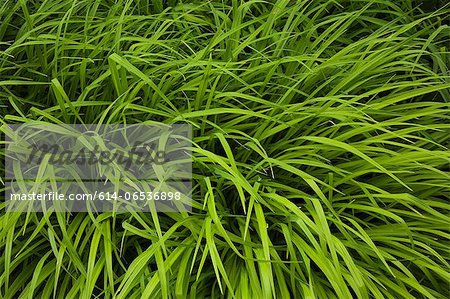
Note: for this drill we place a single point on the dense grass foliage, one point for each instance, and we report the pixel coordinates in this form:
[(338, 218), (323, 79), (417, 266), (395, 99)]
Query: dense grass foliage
[(320, 150)]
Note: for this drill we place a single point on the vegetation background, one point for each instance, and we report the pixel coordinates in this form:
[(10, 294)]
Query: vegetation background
[(320, 149)]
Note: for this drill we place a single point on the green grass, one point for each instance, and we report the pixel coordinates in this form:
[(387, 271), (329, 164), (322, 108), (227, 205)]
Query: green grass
[(320, 149)]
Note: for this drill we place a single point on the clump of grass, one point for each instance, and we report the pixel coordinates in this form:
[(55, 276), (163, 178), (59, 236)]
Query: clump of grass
[(320, 149)]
